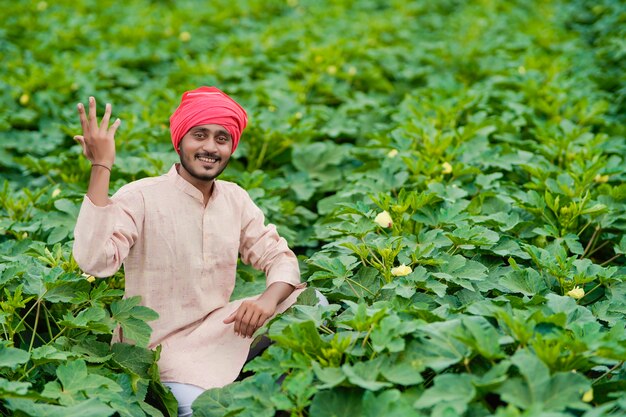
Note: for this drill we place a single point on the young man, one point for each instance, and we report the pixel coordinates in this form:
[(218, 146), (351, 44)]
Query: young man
[(179, 236)]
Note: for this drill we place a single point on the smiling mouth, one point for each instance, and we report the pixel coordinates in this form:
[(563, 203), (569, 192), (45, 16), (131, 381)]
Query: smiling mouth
[(208, 159)]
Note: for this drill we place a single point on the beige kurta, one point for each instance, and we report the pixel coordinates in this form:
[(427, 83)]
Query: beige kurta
[(181, 258)]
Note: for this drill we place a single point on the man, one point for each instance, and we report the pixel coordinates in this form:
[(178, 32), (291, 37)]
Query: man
[(179, 236)]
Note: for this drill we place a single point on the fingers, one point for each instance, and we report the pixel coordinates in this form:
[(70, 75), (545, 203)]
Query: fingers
[(230, 318), (81, 140), (93, 123), (114, 127), (247, 320), (84, 124), (104, 123)]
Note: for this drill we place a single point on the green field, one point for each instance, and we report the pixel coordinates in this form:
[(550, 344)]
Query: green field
[(493, 133)]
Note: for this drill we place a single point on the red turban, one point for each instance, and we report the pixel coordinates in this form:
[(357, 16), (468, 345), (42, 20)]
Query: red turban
[(207, 105)]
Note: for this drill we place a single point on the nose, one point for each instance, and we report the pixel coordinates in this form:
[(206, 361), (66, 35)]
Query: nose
[(209, 145)]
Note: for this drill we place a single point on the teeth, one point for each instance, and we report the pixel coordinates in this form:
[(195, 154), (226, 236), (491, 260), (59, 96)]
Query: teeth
[(204, 159)]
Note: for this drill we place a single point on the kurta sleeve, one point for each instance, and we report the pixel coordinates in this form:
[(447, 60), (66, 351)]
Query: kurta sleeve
[(103, 236), (263, 248)]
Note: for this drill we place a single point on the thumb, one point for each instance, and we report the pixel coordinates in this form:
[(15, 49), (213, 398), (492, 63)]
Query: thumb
[(81, 140)]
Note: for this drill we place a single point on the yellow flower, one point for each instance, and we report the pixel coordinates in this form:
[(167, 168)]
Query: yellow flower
[(383, 219), (521, 70), (89, 278), (24, 99), (601, 178), (446, 168), (588, 396), (185, 36), (392, 153), (42, 5), (298, 115), (576, 293), (400, 271), (352, 71), (56, 192), (332, 70)]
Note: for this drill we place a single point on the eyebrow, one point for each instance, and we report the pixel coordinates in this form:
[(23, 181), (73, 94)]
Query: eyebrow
[(205, 130)]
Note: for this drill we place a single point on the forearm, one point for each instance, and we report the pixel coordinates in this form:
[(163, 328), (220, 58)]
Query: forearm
[(98, 190), (277, 292)]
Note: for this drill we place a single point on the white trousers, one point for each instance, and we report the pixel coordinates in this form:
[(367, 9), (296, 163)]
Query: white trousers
[(186, 394)]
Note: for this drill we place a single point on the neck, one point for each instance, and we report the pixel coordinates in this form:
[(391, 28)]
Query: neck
[(204, 186)]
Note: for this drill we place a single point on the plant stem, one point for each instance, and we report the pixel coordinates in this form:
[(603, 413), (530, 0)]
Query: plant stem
[(607, 372), (32, 339), (612, 259), (593, 238), (606, 242), (358, 284)]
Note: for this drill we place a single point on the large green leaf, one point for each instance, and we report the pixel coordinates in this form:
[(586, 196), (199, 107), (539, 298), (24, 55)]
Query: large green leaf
[(538, 390)]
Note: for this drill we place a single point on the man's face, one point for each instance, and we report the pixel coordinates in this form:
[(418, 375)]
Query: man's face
[(205, 151)]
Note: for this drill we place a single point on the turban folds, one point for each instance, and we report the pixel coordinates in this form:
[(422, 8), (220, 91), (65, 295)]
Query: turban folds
[(207, 105)]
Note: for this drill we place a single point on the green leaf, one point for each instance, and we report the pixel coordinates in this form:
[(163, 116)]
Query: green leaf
[(132, 318), (438, 346), (338, 402), (77, 384), (12, 388), (449, 392), (12, 357), (133, 359), (527, 282), (365, 374), (388, 334), (481, 336), (390, 403), (88, 408), (330, 377), (538, 390)]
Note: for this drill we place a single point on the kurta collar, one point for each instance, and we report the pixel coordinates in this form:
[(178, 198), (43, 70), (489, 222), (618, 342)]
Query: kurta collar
[(186, 187)]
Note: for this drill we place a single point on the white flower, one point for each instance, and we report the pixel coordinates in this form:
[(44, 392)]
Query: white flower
[(400, 271), (576, 293), (56, 192), (383, 219)]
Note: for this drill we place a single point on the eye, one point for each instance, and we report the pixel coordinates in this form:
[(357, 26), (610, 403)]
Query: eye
[(222, 138)]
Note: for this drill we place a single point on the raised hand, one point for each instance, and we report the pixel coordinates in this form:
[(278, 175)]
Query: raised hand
[(98, 142)]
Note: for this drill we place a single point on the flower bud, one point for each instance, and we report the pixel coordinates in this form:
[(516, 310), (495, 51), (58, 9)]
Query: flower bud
[(446, 168), (383, 219)]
